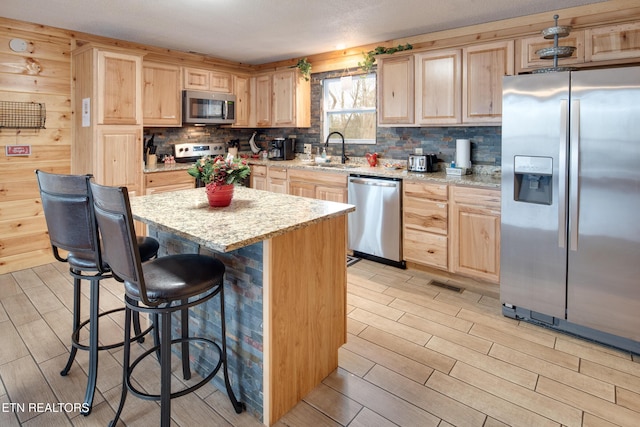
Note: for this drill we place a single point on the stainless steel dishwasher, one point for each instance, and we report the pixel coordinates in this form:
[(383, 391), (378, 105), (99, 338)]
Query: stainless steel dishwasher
[(375, 229)]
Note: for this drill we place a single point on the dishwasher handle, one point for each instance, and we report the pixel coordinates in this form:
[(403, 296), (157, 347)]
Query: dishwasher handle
[(374, 182)]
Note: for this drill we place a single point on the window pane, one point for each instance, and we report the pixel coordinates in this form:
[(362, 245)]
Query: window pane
[(356, 92), (353, 125), (350, 107)]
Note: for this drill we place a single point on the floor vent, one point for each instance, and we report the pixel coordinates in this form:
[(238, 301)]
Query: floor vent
[(446, 286), (351, 260)]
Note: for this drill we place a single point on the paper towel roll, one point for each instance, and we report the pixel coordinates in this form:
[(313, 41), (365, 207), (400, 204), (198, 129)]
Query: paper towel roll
[(463, 153)]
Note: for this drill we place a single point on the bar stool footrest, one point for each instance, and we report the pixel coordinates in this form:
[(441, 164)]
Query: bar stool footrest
[(182, 392)]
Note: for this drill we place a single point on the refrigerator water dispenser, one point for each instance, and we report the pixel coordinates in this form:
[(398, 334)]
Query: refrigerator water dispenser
[(532, 177)]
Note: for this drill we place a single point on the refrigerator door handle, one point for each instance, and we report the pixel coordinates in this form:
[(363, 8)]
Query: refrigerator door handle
[(562, 173), (574, 166)]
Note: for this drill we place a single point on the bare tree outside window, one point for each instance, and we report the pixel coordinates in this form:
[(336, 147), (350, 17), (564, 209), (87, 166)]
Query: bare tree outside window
[(350, 108)]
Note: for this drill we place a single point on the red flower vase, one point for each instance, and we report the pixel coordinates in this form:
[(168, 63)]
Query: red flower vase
[(219, 195)]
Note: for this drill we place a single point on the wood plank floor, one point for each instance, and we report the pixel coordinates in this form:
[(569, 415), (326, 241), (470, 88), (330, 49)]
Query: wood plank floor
[(417, 355)]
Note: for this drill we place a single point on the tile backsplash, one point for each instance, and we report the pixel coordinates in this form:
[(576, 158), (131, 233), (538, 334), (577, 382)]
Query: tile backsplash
[(391, 142)]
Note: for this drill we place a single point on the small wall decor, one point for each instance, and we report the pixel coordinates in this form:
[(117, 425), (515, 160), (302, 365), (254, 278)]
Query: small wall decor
[(22, 115)]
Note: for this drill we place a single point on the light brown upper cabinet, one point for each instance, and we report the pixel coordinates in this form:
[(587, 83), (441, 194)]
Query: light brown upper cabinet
[(444, 87), (161, 100), (281, 99), (613, 43), (528, 60), (242, 91), (198, 79), (396, 90), (484, 66), (438, 87), (263, 94), (609, 45), (118, 88)]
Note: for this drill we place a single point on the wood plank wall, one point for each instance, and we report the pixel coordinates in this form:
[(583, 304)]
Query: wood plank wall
[(42, 74)]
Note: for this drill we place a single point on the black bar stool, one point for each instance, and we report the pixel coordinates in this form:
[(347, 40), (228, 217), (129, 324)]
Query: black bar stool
[(162, 286), (72, 227)]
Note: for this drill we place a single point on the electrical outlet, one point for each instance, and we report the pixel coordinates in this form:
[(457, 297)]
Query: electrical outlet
[(418, 150), (307, 148)]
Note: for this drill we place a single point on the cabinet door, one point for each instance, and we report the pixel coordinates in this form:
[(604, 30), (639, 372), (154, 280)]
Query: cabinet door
[(118, 157), (475, 233), (259, 182), (220, 81), (331, 194), (438, 87), (195, 79), (425, 248), (241, 89), (302, 189), (484, 67), (263, 100), (277, 186), (161, 100), (396, 90), (614, 42), (284, 98), (119, 88), (526, 49)]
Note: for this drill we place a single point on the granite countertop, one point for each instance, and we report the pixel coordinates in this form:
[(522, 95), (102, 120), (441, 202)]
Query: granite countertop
[(482, 176), (253, 215), (166, 167)]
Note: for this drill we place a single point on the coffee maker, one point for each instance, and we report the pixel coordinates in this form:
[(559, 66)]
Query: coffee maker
[(282, 149)]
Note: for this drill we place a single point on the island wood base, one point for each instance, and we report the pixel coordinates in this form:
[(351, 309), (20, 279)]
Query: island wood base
[(296, 283), (305, 290)]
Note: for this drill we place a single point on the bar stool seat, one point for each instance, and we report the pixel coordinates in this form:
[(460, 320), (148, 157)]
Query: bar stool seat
[(160, 287), (68, 212)]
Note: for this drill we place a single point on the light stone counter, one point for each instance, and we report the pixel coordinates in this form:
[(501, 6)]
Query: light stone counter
[(486, 177), (483, 176), (253, 216)]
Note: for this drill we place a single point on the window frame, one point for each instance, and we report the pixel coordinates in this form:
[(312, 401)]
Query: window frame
[(327, 112)]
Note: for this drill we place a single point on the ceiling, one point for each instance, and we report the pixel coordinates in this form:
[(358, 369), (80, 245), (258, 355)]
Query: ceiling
[(262, 31)]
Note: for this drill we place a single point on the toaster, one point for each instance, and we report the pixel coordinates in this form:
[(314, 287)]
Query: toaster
[(422, 163)]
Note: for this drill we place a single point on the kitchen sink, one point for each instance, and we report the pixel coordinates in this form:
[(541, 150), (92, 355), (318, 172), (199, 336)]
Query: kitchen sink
[(337, 166)]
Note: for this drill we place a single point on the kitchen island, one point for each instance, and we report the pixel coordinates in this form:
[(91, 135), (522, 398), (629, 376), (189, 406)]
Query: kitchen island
[(285, 286)]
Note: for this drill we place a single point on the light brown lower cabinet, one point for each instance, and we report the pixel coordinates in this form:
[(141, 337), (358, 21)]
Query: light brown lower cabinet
[(162, 182), (425, 218), (318, 185), (258, 177), (475, 232), (277, 180)]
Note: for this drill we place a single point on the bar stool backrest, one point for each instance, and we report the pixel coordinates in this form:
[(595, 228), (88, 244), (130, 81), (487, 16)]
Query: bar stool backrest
[(113, 214), (68, 211)]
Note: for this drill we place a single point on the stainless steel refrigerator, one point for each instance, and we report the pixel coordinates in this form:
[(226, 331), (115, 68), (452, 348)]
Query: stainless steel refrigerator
[(570, 236)]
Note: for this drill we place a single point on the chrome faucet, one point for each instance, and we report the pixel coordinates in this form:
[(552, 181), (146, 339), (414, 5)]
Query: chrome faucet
[(344, 157)]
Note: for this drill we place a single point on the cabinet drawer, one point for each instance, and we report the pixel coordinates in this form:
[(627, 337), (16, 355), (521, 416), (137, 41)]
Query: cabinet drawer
[(486, 197), (425, 215), (425, 190), (258, 170), (337, 179), (159, 179), (277, 173), (425, 248)]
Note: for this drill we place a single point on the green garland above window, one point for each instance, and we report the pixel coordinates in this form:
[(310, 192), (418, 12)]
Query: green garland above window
[(369, 57), (305, 68)]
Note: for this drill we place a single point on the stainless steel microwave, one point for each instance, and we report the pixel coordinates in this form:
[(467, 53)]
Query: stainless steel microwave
[(206, 108)]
